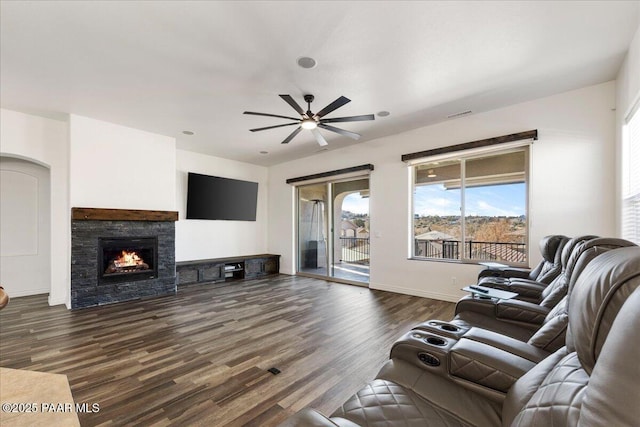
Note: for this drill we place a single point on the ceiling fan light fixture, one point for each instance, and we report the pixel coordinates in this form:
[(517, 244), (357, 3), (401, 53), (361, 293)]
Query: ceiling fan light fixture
[(308, 124)]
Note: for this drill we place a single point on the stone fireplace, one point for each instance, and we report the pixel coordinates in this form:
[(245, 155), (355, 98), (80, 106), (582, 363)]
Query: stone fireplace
[(120, 255)]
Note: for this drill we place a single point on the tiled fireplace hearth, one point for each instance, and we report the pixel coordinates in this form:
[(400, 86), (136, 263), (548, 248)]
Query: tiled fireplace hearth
[(120, 255)]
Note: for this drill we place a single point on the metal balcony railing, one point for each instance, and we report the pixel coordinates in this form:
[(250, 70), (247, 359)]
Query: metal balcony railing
[(484, 251), (355, 250)]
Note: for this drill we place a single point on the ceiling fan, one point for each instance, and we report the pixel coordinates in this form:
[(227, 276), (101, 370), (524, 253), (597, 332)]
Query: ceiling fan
[(311, 121)]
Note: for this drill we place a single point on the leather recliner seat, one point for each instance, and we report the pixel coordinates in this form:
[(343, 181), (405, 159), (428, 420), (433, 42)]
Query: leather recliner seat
[(537, 291), (546, 270), (592, 381)]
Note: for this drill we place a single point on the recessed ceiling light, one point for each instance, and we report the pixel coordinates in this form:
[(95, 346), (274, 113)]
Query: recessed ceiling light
[(383, 113), (306, 62), (187, 132), (264, 152)]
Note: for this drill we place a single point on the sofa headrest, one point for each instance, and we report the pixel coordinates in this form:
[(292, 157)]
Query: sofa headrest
[(570, 246), (586, 251), (550, 245), (600, 291), (612, 396)]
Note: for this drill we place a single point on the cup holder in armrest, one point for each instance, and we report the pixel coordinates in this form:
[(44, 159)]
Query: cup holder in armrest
[(441, 328), (430, 339), (441, 342), (444, 326)]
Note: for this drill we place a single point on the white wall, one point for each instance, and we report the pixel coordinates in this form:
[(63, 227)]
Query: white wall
[(201, 239), (118, 167), (571, 181), (627, 95), (45, 141)]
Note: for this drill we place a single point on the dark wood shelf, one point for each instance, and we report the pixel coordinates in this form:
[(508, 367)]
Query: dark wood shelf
[(99, 214), (213, 270)]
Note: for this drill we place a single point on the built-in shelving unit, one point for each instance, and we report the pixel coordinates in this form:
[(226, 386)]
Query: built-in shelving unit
[(227, 269)]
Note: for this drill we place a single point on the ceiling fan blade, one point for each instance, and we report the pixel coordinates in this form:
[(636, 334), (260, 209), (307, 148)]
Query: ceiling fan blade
[(319, 137), (333, 106), (289, 100), (351, 135), (271, 115), (349, 119), (292, 135), (273, 127)]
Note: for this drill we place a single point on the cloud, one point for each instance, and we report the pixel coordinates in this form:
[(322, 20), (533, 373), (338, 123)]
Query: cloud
[(356, 204), (495, 200)]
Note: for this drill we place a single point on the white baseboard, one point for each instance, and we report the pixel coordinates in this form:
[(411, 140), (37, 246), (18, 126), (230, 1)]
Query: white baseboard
[(23, 293), (59, 302), (415, 292), (33, 292)]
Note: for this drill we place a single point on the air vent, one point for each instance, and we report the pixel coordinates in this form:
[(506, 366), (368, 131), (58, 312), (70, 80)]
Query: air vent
[(461, 113)]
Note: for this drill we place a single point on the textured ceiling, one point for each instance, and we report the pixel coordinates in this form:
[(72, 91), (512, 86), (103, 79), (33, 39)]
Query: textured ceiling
[(165, 67)]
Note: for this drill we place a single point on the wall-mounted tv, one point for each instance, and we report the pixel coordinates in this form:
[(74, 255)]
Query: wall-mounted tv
[(213, 197)]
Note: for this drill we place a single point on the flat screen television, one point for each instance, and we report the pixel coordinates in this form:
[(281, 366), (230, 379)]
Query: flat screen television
[(213, 197)]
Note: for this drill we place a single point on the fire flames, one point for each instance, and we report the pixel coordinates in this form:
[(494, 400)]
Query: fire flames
[(127, 259), (126, 262)]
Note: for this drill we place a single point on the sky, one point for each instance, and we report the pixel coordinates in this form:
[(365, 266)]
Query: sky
[(495, 200), (356, 204)]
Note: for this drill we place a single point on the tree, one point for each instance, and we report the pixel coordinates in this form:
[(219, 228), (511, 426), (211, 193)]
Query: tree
[(494, 231)]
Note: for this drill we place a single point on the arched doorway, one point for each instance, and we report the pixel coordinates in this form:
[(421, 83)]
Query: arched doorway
[(25, 249)]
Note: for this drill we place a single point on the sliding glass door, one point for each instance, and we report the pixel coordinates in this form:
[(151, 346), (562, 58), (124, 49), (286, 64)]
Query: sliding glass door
[(313, 229), (333, 230)]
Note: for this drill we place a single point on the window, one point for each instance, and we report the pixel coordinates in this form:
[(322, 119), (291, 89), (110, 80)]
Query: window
[(472, 208), (631, 178)]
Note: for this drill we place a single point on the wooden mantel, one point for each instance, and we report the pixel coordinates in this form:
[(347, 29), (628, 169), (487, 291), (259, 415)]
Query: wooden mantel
[(96, 214)]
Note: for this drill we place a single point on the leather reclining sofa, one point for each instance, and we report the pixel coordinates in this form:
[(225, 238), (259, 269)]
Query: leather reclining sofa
[(461, 373), (548, 269)]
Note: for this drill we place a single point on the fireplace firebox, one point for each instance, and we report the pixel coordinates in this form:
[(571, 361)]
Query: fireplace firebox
[(127, 259)]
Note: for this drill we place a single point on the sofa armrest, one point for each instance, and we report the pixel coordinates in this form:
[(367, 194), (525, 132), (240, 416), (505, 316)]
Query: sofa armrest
[(521, 311), (527, 289), (506, 343), (494, 282), (311, 418), (484, 306), (504, 272), (527, 280), (486, 365)]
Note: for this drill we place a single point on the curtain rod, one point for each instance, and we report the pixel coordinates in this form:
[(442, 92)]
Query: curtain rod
[(530, 134), (331, 173)]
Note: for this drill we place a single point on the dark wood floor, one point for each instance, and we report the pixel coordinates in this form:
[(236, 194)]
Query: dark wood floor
[(202, 356)]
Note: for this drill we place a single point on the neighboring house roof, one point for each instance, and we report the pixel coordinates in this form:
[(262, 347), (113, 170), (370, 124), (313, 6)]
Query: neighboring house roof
[(499, 252), (363, 232), (348, 225), (434, 235)]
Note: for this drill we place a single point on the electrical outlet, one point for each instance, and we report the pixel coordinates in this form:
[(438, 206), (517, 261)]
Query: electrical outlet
[(454, 281)]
